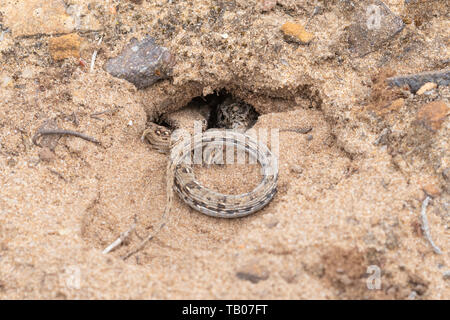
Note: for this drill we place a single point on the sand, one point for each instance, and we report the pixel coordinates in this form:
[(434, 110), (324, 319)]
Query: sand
[(349, 195)]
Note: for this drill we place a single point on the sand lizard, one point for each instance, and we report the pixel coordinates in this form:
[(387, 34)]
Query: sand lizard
[(180, 175)]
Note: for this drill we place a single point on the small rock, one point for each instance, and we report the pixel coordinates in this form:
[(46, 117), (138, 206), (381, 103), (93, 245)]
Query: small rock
[(391, 291), (418, 284), (290, 276), (5, 81), (142, 63), (45, 154), (412, 295), (398, 103), (416, 81), (344, 279), (433, 114), (65, 46), (268, 5), (11, 162), (446, 174), (28, 18), (253, 272), (392, 241), (395, 105), (296, 169), (426, 87), (296, 32), (272, 223), (27, 72), (309, 137), (407, 20), (383, 138), (373, 24), (431, 189), (304, 130), (316, 269)]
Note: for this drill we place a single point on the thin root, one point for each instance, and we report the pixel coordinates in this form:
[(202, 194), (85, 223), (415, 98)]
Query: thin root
[(169, 194), (145, 241), (94, 56), (110, 111), (43, 132), (298, 130), (123, 236), (425, 226)]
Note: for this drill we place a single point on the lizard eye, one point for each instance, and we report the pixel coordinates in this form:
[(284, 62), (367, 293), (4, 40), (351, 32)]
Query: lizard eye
[(166, 133), (158, 132)]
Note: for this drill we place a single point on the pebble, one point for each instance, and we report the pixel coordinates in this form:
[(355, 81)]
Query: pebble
[(296, 32), (416, 81), (268, 5), (446, 174), (412, 295), (426, 87), (11, 162), (407, 20), (433, 114), (368, 32), (432, 190), (27, 72), (397, 104), (45, 154), (48, 17), (271, 221), (65, 46), (253, 272), (296, 169), (142, 63), (6, 81), (27, 18)]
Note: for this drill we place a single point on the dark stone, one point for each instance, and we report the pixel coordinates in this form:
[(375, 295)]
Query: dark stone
[(373, 24), (142, 63), (253, 271), (253, 278), (415, 81), (446, 174)]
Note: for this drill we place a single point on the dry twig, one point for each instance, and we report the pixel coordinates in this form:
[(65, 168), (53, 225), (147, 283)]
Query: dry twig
[(94, 56), (42, 132), (425, 226), (147, 239), (298, 130), (109, 111), (123, 236)]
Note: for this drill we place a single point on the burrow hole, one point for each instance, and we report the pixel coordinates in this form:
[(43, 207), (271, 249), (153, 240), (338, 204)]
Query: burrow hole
[(221, 110)]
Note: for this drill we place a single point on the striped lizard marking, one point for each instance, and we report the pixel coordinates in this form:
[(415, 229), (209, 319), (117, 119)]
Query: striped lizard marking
[(181, 178)]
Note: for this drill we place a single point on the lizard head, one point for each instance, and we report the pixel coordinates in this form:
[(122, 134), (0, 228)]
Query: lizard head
[(158, 136)]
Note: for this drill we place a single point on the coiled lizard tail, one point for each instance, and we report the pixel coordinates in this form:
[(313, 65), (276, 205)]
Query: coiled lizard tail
[(211, 202), (181, 178)]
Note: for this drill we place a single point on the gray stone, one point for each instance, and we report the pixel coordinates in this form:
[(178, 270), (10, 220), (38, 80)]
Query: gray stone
[(415, 81), (253, 271), (373, 24), (446, 174), (142, 63)]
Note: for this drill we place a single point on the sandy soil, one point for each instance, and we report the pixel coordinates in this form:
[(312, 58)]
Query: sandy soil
[(349, 195)]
